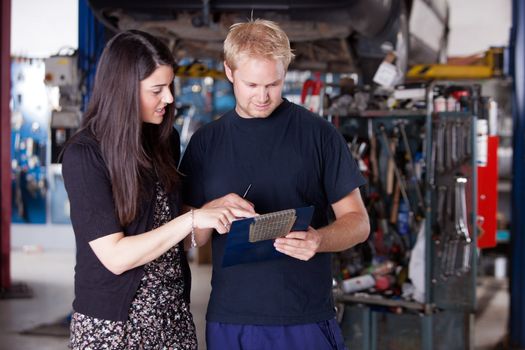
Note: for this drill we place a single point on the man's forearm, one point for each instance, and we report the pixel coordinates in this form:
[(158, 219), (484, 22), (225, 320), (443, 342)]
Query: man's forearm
[(345, 232)]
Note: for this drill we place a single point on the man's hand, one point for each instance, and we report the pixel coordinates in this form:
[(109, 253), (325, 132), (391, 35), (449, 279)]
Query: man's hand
[(231, 200), (299, 244)]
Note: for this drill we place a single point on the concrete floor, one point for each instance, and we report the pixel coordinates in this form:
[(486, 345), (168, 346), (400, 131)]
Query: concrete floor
[(50, 275), (43, 259), (48, 271)]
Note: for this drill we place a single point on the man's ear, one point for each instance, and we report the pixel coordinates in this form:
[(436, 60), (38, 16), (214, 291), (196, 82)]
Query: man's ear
[(229, 72)]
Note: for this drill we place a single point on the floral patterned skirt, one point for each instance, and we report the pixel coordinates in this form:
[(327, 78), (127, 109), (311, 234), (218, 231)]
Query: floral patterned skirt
[(159, 317)]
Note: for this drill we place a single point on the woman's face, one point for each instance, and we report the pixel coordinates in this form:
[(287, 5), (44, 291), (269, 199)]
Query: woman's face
[(155, 94)]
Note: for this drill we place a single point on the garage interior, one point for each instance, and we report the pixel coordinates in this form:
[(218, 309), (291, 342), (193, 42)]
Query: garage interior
[(443, 125)]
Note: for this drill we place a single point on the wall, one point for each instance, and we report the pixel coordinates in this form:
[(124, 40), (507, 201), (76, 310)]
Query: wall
[(41, 28), (475, 25)]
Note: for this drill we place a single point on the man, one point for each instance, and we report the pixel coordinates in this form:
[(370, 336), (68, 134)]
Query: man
[(291, 158)]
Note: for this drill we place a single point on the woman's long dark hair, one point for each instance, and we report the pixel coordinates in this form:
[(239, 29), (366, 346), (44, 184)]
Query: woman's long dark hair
[(131, 149)]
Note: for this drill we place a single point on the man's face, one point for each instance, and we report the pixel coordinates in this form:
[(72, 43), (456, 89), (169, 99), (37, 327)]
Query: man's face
[(257, 85)]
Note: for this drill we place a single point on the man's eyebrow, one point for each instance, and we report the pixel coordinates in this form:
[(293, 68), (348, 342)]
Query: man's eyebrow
[(250, 82)]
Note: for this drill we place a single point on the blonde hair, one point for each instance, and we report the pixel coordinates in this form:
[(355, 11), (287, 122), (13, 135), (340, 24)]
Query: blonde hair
[(257, 38)]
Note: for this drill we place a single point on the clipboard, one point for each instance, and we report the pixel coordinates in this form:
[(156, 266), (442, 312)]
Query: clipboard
[(251, 239)]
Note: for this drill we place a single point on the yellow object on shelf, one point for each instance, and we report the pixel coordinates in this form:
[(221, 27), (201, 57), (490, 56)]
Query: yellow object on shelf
[(487, 66), (445, 71)]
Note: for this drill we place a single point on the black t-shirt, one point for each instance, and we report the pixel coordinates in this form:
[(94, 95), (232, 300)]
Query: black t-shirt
[(98, 292), (293, 158)]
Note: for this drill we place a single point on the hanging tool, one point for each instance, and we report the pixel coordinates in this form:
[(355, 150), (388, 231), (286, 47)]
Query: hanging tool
[(450, 148), (394, 210), (358, 152), (460, 134), (441, 197), (397, 172), (459, 235), (391, 146), (454, 139), (411, 167), (461, 221), (374, 169), (439, 147), (449, 252)]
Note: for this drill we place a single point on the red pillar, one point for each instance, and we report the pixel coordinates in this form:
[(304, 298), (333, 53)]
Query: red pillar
[(5, 144)]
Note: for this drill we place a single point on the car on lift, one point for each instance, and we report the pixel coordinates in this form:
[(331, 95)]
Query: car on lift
[(330, 36)]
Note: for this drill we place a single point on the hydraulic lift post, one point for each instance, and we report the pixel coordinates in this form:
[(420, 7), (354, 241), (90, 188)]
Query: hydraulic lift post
[(517, 277), (5, 145)]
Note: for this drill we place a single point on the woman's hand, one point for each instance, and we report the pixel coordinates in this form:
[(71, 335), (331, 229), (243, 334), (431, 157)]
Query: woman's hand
[(231, 200), (219, 218)]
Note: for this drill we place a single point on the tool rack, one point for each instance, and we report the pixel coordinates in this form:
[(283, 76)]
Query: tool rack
[(442, 208)]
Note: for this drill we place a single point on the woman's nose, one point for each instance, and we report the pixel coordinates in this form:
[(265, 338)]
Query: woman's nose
[(167, 97)]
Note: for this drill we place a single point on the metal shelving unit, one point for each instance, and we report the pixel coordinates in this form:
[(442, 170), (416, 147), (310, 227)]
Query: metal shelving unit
[(444, 318)]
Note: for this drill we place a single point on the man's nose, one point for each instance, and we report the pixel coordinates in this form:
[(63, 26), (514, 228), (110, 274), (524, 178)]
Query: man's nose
[(262, 94)]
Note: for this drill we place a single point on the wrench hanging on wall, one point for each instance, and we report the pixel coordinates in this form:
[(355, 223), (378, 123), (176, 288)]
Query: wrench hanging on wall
[(459, 236), (461, 221)]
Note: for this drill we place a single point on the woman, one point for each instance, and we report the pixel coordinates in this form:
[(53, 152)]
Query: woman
[(131, 277)]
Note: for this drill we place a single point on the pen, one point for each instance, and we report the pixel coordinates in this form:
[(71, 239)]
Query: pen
[(246, 192)]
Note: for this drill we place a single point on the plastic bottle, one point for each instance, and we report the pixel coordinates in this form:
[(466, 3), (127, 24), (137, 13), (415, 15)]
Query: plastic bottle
[(358, 283)]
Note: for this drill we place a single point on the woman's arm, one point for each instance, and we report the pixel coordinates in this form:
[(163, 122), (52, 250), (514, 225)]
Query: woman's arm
[(119, 253)]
